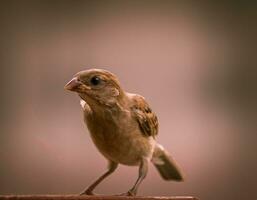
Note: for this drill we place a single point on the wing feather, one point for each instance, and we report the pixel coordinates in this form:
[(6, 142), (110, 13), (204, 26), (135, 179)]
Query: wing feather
[(146, 118)]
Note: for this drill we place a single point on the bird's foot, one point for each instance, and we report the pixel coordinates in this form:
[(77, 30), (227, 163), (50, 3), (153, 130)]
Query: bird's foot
[(128, 193), (87, 192)]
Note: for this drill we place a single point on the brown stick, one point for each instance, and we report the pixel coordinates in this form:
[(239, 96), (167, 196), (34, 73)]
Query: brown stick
[(85, 197)]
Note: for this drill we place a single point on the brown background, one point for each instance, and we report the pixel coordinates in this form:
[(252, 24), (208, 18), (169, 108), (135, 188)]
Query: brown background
[(194, 62)]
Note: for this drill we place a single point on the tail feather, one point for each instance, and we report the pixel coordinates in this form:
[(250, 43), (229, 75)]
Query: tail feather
[(166, 166)]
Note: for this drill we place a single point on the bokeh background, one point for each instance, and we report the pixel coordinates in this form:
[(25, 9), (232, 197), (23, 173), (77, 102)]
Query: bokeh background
[(195, 62)]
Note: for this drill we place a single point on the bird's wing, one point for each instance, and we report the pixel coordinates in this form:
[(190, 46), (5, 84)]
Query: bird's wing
[(147, 120)]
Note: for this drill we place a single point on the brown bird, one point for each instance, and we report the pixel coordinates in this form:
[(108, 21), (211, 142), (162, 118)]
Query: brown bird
[(122, 126)]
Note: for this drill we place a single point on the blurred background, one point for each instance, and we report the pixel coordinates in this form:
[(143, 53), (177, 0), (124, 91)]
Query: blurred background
[(195, 62)]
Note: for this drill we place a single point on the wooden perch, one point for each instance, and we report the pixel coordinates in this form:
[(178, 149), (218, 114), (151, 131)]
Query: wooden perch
[(98, 197)]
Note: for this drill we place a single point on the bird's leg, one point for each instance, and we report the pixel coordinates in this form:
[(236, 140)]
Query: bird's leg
[(143, 168), (111, 168)]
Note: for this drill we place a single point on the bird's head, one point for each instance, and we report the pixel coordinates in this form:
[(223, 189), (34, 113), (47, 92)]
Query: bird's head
[(96, 87)]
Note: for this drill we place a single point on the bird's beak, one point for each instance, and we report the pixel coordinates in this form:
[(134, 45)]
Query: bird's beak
[(75, 85)]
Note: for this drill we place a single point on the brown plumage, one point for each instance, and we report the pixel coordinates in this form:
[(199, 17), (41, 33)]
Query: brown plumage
[(143, 114), (122, 126)]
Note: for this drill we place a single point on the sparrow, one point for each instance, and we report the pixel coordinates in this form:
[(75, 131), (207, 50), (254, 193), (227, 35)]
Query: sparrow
[(122, 126)]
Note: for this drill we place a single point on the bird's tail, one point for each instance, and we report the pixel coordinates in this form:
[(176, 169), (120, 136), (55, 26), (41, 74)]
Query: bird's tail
[(166, 166)]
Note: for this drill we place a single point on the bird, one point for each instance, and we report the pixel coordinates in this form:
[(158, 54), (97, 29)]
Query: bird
[(122, 126)]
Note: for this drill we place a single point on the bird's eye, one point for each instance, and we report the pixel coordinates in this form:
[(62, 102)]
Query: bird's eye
[(95, 80)]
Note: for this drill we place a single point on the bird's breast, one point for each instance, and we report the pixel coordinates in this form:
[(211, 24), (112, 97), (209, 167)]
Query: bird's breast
[(119, 139)]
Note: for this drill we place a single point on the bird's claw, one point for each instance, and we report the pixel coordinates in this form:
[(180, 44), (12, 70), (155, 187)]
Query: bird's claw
[(128, 193), (87, 192)]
